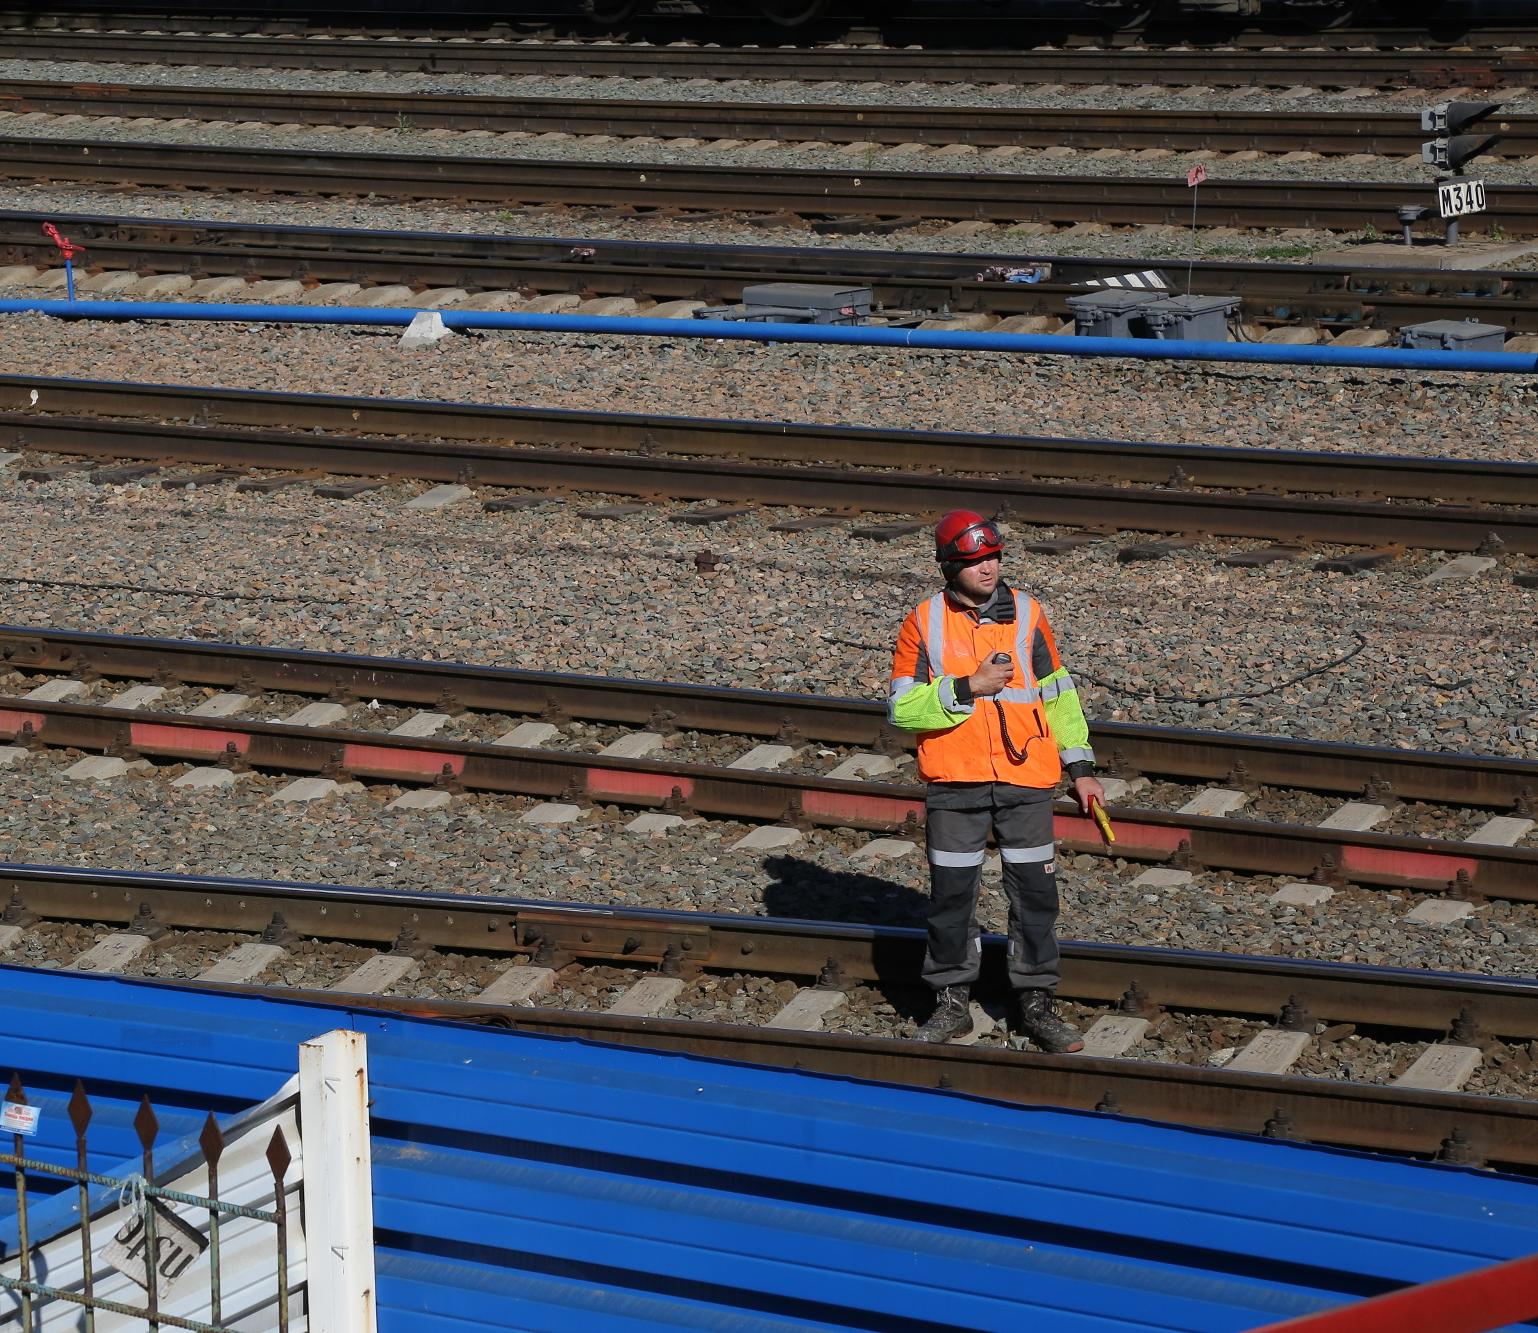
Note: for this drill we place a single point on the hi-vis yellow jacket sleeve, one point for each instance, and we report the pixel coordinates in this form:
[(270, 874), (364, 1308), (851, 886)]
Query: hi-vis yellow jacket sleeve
[(914, 701)]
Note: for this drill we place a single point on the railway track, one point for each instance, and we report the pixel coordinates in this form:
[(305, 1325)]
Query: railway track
[(340, 741), (1381, 134), (830, 998), (1100, 485), (822, 193), (895, 31), (1337, 298), (1281, 68)]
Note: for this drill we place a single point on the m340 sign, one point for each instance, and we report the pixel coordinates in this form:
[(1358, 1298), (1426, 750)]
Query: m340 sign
[(1460, 196)]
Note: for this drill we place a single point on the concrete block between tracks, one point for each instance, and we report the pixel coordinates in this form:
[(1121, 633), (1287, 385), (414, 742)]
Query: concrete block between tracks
[(1273, 1051), (764, 758), (1502, 831), (277, 289), (440, 497), (1441, 1068), (200, 779), (217, 289), (1114, 1034), (305, 790), (57, 691), (330, 293), (420, 725), (1118, 789), (675, 310), (494, 301), (529, 735), (225, 704), (653, 824), (11, 755), (768, 838), (552, 812), (808, 1009), (1356, 817), (1300, 894), (1462, 567), (519, 985), (377, 975), (884, 849), (421, 798), (1215, 802), (554, 304), (635, 745), (321, 713), (9, 935), (648, 997), (104, 284), (1163, 877), (859, 766), (244, 962), (105, 767), (136, 696), (112, 953), (1440, 911), (162, 284)]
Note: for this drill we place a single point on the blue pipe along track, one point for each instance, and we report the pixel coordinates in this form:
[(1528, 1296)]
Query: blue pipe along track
[(1146, 349)]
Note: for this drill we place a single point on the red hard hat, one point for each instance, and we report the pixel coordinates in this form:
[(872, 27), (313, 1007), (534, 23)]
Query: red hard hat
[(963, 535)]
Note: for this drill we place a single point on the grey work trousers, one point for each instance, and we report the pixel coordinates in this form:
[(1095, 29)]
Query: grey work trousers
[(958, 823)]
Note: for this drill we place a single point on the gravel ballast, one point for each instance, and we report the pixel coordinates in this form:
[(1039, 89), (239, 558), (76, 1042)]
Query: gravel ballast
[(477, 846), (520, 146), (1443, 667), (1045, 96)]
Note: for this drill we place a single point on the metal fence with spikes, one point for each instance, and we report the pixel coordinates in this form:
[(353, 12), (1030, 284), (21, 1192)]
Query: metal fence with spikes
[(155, 1247)]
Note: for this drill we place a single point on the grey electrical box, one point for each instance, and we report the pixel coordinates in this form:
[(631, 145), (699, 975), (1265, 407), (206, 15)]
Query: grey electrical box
[(1190, 318), (806, 302), (1454, 335), (1112, 313)]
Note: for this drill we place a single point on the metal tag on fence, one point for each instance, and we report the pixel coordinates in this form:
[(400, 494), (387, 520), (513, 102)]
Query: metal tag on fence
[(19, 1119), (178, 1246)]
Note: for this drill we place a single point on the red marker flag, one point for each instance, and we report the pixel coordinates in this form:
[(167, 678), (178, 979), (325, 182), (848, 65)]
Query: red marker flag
[(1196, 175), (67, 247)]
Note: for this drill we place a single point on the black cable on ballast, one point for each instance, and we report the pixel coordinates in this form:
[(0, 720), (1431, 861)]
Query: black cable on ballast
[(167, 592), (1361, 644)]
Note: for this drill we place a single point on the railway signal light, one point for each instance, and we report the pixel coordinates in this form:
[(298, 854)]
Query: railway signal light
[(1451, 148)]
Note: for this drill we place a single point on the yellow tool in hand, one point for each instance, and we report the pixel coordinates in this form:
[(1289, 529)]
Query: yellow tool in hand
[(1102, 820)]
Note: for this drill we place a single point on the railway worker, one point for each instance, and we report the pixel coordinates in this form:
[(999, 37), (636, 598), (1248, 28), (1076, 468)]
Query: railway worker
[(977, 675)]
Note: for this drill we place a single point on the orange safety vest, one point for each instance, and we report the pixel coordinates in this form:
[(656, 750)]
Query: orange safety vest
[(952, 643)]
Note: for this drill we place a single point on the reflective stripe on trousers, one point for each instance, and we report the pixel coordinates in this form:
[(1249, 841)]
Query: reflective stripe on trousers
[(957, 845)]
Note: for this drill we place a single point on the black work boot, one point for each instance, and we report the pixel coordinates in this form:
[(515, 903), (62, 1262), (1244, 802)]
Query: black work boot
[(1034, 1017), (952, 1016)]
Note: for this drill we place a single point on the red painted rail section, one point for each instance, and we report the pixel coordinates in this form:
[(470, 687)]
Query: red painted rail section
[(1195, 842), (1477, 1302)]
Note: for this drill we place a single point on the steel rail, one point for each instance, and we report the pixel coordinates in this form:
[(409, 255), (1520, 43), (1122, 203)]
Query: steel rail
[(725, 29), (1129, 749), (1137, 978), (1011, 474), (1425, 865), (65, 411), (832, 192), (1333, 296), (1280, 68), (1385, 134)]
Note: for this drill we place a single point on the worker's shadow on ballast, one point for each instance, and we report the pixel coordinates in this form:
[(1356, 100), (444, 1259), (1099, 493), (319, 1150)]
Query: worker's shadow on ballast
[(799, 888)]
